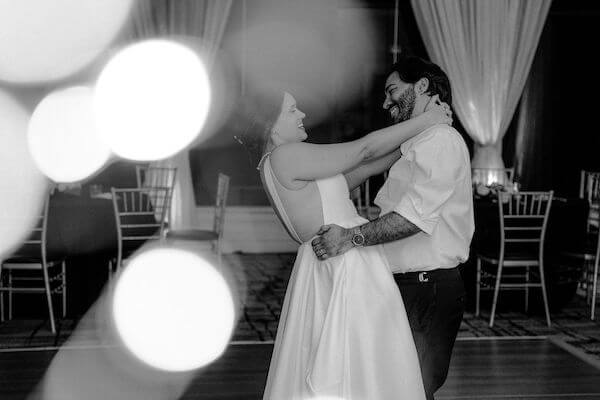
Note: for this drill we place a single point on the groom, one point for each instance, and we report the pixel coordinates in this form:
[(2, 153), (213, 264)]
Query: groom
[(426, 221)]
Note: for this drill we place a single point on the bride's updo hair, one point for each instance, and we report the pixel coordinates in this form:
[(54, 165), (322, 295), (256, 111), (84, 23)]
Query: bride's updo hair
[(260, 112)]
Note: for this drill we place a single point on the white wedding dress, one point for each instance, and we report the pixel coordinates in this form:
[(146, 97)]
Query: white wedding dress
[(343, 332)]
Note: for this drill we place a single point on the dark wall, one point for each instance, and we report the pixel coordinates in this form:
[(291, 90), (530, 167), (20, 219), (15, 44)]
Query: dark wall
[(567, 91)]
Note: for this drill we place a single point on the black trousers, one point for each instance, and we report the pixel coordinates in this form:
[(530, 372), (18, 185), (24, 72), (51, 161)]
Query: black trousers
[(435, 303)]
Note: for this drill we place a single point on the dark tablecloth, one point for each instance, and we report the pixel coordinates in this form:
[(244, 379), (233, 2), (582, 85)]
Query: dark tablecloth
[(566, 224), (80, 225)]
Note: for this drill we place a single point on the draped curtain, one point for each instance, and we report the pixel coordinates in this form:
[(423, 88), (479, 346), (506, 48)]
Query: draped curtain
[(202, 24), (486, 47), (531, 145)]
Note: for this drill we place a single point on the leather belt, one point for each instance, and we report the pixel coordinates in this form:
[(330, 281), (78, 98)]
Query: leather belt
[(436, 275)]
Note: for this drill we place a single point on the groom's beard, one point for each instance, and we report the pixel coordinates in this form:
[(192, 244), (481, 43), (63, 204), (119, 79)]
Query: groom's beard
[(406, 105)]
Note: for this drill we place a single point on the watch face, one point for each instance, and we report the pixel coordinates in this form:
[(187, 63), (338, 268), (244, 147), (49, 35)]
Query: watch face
[(358, 240)]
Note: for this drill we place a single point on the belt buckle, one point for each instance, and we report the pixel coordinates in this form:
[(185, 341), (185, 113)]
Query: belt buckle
[(423, 277)]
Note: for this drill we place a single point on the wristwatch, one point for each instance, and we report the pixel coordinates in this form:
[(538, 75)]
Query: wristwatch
[(358, 239)]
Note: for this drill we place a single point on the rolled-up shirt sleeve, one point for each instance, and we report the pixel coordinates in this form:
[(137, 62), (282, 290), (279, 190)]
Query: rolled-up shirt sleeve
[(433, 176)]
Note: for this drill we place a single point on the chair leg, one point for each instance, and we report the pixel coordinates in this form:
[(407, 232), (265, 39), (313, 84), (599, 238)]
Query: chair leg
[(219, 255), (527, 290), (544, 294), (496, 292), (1, 295), (588, 272), (10, 295), (48, 297), (110, 271), (119, 263), (594, 289), (64, 289), (478, 287)]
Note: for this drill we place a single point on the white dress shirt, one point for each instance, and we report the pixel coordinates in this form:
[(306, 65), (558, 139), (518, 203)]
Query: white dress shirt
[(431, 187)]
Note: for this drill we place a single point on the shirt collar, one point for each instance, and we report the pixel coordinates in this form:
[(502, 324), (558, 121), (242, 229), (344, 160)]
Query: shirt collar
[(406, 146)]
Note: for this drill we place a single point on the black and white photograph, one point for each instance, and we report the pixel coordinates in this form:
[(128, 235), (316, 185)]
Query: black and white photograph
[(299, 200)]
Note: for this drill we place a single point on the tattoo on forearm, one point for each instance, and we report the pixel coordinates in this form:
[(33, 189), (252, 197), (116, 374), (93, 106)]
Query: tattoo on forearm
[(388, 228)]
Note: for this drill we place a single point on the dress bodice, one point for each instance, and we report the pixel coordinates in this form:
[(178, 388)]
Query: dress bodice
[(332, 197), (335, 202)]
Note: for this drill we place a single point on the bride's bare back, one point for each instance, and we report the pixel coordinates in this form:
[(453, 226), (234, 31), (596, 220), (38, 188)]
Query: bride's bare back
[(302, 206)]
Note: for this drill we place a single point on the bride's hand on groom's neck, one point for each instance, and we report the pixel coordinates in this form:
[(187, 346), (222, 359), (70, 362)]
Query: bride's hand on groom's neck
[(438, 111)]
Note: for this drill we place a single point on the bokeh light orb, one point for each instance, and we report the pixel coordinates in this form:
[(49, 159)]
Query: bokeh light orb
[(151, 100), (173, 310), (22, 185), (44, 40), (62, 136), (321, 52)]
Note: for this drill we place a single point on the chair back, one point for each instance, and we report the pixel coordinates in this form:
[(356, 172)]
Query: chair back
[(138, 217), (523, 220), (157, 177), (221, 203), (489, 176), (35, 244), (589, 186), (148, 176)]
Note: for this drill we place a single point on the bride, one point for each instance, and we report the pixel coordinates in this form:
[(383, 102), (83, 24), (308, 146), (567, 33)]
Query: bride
[(343, 331)]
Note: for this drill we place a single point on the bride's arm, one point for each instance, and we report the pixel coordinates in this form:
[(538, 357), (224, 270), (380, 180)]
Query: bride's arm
[(305, 162), (364, 171)]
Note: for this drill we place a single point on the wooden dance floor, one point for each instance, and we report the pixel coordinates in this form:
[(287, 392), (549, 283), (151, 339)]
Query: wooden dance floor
[(481, 369)]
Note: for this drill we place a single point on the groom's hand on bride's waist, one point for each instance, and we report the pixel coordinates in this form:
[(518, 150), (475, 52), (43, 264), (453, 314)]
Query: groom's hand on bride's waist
[(332, 241)]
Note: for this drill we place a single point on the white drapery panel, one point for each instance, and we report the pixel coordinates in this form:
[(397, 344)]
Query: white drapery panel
[(202, 23), (486, 47)]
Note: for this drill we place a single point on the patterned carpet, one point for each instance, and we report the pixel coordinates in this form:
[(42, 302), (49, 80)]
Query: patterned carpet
[(261, 280)]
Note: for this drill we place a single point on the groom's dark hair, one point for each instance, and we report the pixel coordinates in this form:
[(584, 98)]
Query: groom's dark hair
[(412, 68)]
